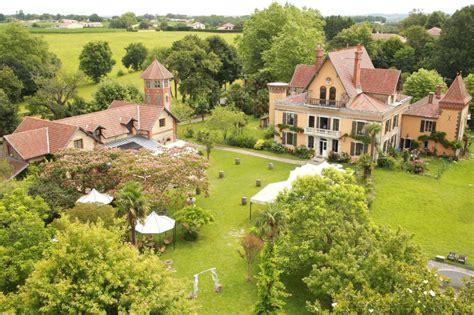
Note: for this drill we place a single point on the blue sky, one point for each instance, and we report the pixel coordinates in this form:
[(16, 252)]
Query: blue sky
[(223, 7)]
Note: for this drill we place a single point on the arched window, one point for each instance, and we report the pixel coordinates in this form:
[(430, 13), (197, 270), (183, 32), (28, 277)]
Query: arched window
[(332, 96), (322, 95)]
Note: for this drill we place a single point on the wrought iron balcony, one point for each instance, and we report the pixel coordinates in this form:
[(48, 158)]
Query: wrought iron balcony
[(321, 132), (324, 102)]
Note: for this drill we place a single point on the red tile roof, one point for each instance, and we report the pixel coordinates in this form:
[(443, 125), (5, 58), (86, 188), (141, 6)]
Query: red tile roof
[(294, 99), (36, 137), (434, 31), (156, 71), (17, 166), (457, 93), (423, 108), (379, 81), (385, 36), (302, 76), (364, 102), (111, 119), (343, 62)]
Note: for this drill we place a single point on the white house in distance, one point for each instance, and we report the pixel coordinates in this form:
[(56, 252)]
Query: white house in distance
[(69, 24), (226, 27), (198, 26)]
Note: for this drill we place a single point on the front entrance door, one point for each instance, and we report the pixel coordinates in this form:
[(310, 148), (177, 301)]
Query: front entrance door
[(323, 147)]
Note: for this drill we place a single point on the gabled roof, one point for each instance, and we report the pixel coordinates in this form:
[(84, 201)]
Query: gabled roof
[(302, 75), (111, 119), (343, 62), (457, 93), (434, 31), (366, 103), (156, 71), (36, 137), (423, 108), (379, 81), (16, 165)]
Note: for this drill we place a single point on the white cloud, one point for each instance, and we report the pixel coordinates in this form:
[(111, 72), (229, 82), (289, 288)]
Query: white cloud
[(222, 7)]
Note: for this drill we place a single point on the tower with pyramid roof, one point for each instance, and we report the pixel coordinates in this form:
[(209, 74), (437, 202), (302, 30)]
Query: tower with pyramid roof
[(157, 85)]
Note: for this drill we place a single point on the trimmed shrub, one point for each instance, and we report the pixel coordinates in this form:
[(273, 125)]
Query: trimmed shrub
[(120, 73), (242, 141), (270, 132), (278, 148), (385, 161), (189, 133), (303, 152)]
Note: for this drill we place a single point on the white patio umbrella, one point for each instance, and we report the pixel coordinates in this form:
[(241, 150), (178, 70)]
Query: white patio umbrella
[(95, 197), (311, 169)]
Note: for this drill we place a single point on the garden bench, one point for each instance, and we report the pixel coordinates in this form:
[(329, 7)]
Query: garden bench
[(452, 256), (462, 259)]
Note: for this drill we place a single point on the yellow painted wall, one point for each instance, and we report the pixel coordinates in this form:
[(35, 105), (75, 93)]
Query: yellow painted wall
[(275, 93), (447, 122), (161, 134), (327, 70), (87, 141)]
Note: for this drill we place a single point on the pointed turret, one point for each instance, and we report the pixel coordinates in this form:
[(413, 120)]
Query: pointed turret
[(157, 84)]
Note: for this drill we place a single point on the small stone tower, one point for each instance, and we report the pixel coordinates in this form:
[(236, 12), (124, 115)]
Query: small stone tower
[(157, 85), (276, 91)]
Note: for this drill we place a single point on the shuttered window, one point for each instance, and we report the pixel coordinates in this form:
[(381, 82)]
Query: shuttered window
[(357, 148), (290, 119), (335, 124), (358, 128), (289, 138), (311, 121)]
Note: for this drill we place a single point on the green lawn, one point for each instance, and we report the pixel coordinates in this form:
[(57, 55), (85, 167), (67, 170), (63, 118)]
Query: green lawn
[(438, 212), (219, 241), (68, 48)]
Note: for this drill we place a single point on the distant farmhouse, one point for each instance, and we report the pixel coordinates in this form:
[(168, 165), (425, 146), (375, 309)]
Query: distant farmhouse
[(123, 125), (73, 24), (327, 104), (198, 26), (226, 27)]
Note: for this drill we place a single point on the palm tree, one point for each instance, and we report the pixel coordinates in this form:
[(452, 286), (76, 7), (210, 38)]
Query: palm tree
[(372, 130), (271, 222), (133, 203)]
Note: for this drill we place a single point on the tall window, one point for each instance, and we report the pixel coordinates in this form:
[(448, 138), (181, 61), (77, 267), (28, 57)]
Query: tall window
[(290, 119), (311, 142), (148, 84), (335, 124), (289, 138), (324, 123), (78, 144), (162, 122), (388, 124), (322, 95), (332, 96), (428, 126), (358, 128), (166, 83), (311, 121), (156, 83), (395, 121), (357, 148), (335, 145)]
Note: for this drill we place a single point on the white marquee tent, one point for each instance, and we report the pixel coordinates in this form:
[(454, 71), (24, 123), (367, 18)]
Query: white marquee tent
[(157, 224), (96, 197), (270, 192)]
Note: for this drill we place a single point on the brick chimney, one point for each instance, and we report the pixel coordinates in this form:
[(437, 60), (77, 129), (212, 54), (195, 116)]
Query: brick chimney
[(430, 98), (319, 55), (357, 61), (439, 87)]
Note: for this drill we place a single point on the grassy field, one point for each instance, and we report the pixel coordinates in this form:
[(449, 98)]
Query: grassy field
[(218, 243), (68, 48), (438, 212)]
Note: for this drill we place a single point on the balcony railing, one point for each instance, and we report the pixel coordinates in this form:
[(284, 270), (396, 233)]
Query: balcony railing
[(324, 102), (321, 132)]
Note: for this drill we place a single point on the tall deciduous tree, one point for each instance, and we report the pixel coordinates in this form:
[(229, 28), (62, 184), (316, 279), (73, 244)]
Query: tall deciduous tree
[(225, 119), (335, 24), (27, 55), (109, 91), (89, 269), (10, 84), (135, 55), (360, 33), (8, 115), (420, 83), (454, 46), (96, 60), (56, 96), (415, 18), (23, 236), (227, 54), (436, 19)]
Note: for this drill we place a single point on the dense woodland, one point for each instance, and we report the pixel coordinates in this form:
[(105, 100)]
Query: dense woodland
[(61, 258)]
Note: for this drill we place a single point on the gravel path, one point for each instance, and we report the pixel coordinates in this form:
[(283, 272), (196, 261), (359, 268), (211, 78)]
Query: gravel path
[(261, 155)]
